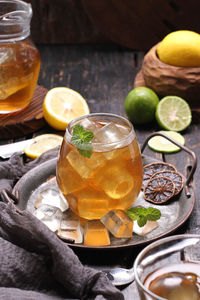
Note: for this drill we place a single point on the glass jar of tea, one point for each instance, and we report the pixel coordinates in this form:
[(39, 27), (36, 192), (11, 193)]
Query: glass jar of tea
[(19, 58)]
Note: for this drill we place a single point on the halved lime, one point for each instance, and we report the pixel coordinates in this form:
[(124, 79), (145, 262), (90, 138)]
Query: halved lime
[(161, 144), (173, 113)]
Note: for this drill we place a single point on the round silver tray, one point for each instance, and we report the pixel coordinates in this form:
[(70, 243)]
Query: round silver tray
[(174, 213)]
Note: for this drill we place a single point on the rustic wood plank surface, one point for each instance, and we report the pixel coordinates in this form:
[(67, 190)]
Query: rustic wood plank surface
[(27, 120), (104, 75)]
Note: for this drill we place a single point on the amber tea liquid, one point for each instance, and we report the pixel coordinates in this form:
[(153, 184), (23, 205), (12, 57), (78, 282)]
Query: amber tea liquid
[(175, 282), (19, 70), (110, 179)]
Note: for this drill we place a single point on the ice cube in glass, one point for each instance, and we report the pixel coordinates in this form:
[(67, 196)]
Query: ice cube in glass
[(89, 125), (115, 182), (84, 166), (110, 133)]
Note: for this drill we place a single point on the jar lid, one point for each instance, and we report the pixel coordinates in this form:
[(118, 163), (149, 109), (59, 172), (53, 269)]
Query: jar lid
[(14, 20)]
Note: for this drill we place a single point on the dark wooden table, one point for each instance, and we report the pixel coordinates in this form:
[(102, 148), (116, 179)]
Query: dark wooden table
[(103, 75)]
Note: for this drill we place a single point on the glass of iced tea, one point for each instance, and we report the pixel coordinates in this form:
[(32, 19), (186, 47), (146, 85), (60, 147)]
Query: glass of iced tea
[(169, 269), (103, 173), (19, 58)]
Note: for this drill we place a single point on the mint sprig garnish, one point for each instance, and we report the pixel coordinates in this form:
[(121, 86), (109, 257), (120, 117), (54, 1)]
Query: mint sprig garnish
[(82, 140), (142, 214)]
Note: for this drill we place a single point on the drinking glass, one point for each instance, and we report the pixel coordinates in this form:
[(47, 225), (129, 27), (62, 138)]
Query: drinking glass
[(170, 267), (111, 177), (19, 58)]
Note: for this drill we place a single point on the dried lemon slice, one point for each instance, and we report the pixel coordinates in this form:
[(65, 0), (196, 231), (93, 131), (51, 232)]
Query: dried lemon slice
[(41, 144), (159, 190), (176, 177), (154, 167)]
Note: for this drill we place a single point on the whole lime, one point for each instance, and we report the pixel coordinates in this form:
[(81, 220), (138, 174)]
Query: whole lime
[(140, 105)]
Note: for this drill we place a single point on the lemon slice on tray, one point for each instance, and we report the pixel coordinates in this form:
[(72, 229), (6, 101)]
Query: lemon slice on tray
[(61, 105), (161, 144), (41, 144)]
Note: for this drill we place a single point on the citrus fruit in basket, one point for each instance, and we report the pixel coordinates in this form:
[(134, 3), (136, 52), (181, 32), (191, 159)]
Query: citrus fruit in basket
[(173, 113), (140, 105), (61, 105), (41, 144), (161, 144), (180, 48)]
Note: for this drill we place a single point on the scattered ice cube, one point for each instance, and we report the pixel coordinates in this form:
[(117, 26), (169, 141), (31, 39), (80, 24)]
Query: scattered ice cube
[(116, 182), (118, 223), (52, 197), (95, 234), (147, 228), (50, 215), (84, 166), (71, 229)]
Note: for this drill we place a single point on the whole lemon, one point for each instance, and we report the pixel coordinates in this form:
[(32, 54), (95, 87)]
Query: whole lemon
[(180, 48), (140, 105)]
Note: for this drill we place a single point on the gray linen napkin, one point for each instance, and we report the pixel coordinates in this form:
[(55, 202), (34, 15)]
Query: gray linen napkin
[(34, 262), (13, 169)]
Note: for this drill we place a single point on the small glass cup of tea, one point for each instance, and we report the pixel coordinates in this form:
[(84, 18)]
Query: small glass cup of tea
[(100, 165), (19, 58), (169, 269)]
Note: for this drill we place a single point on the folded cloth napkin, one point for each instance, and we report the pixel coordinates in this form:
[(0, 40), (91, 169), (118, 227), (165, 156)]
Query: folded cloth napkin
[(34, 262)]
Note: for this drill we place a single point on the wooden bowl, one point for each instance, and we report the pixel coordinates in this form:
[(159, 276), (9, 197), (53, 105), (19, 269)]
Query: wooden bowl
[(167, 80)]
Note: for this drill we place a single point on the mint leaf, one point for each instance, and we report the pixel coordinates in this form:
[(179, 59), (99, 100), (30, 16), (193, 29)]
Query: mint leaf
[(78, 130), (85, 149), (141, 221), (82, 140), (142, 214), (153, 214)]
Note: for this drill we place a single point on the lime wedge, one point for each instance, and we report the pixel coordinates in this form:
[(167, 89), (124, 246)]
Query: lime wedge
[(173, 113), (161, 144)]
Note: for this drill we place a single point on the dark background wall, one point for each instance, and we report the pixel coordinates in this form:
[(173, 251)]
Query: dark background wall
[(137, 24)]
